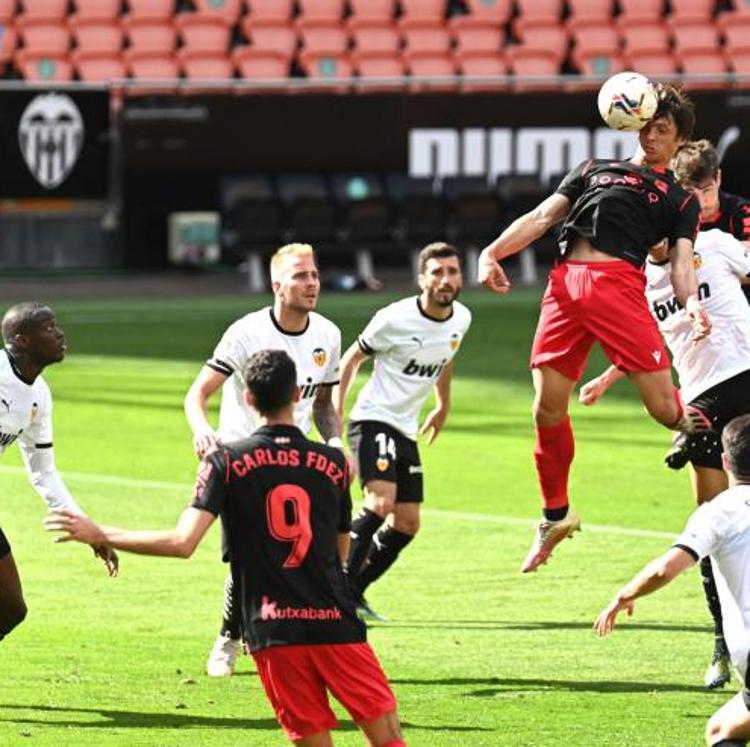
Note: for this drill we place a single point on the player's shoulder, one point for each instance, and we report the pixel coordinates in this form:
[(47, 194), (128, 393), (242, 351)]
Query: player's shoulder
[(733, 204), (251, 322), (461, 312), (397, 311), (718, 240), (323, 325)]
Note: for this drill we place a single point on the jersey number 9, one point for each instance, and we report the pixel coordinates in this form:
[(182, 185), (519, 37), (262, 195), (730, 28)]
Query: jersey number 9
[(288, 514)]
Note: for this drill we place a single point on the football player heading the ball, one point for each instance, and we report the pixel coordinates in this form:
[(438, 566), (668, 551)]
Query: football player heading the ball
[(612, 213)]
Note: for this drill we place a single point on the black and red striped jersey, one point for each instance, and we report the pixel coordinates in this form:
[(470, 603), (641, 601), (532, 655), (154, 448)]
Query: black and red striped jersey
[(733, 216), (283, 502)]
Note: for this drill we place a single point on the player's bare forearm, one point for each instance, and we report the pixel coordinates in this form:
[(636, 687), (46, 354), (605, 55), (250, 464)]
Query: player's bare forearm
[(350, 363), (195, 405), (343, 542), (682, 274), (324, 414), (593, 390)]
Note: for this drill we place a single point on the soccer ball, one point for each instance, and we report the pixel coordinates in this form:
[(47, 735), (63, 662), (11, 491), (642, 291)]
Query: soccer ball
[(627, 101)]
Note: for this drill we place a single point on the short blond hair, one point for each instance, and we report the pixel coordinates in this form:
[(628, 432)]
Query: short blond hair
[(289, 250)]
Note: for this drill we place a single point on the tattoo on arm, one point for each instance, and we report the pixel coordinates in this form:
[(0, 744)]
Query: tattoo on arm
[(324, 413)]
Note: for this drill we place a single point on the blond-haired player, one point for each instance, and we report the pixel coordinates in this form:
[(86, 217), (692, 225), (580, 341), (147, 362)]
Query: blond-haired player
[(314, 344)]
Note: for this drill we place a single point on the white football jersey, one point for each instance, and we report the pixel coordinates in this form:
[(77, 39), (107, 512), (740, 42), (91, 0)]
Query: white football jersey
[(720, 260), (411, 349), (315, 351), (721, 529)]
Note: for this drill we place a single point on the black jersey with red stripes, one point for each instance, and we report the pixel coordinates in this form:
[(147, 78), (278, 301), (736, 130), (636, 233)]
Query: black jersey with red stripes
[(283, 501), (623, 209), (733, 216)]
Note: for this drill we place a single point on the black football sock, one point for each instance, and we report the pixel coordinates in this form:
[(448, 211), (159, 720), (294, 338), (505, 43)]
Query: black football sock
[(231, 622), (386, 545), (364, 526), (555, 514), (730, 743), (714, 607)]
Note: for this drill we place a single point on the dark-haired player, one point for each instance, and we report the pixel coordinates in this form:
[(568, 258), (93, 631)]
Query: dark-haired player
[(412, 342), (719, 529), (613, 212), (285, 506), (33, 341)]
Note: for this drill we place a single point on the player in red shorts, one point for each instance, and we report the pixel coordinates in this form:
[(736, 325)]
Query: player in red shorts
[(613, 212), (285, 506)]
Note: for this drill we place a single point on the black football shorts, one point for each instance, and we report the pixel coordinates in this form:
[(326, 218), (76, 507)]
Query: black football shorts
[(384, 453), (4, 545)]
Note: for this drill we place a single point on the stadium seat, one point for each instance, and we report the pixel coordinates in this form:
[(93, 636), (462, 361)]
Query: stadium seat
[(202, 33), (375, 67), (97, 9), (644, 36), (376, 38), (150, 34), (367, 11), (46, 36), (277, 36), (325, 66), (431, 65), (693, 35), (736, 29), (7, 43), (7, 11), (252, 63), (309, 209), (425, 37), (692, 9), (542, 35), (478, 38), (49, 10), (739, 62), (653, 64), (599, 36), (599, 63), (481, 65), (549, 11), (151, 65), (229, 9), (151, 8), (270, 10), (320, 10), (590, 10), (483, 13), (99, 67), (423, 10), (43, 68), (641, 9), (96, 34), (200, 64), (474, 209), (324, 37), (525, 63), (420, 214), (702, 62)]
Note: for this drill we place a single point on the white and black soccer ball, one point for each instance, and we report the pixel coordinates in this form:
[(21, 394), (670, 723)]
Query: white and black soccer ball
[(627, 101)]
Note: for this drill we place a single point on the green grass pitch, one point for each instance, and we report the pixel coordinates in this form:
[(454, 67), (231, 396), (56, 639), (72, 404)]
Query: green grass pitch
[(479, 655)]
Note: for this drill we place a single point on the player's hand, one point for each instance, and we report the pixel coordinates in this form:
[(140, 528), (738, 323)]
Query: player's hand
[(433, 424), (605, 623), (75, 527), (203, 441), (591, 391), (698, 319), (491, 274), (109, 557)]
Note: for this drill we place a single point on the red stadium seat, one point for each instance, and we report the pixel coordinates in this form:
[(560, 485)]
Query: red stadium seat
[(590, 10), (40, 67), (8, 39), (43, 35), (99, 9), (376, 38), (737, 36), (644, 36), (271, 10), (425, 37), (7, 10), (542, 35), (325, 38), (203, 33), (431, 65), (703, 62), (652, 64), (151, 65), (423, 10), (371, 66), (150, 34), (320, 10), (270, 35), (96, 34), (254, 63), (229, 9), (524, 63), (200, 64), (45, 9), (600, 63), (540, 10), (740, 63), (642, 9), (594, 35), (371, 10), (99, 67), (484, 12), (478, 38), (693, 8), (693, 35), (324, 66), (481, 65), (151, 8)]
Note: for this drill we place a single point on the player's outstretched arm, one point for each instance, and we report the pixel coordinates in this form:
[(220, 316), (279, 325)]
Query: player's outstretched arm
[(206, 383), (516, 237), (436, 418), (685, 286), (179, 542), (592, 391), (352, 359), (656, 574)]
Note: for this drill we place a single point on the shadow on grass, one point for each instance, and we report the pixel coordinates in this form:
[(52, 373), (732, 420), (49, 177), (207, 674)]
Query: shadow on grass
[(549, 625)]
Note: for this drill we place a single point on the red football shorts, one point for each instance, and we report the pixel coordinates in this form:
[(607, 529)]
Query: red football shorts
[(597, 301), (296, 680)]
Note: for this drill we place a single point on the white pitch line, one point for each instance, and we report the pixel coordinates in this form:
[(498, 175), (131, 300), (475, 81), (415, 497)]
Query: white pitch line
[(181, 487)]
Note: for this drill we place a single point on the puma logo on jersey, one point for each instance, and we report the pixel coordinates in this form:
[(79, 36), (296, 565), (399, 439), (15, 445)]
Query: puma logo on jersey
[(424, 370), (662, 311)]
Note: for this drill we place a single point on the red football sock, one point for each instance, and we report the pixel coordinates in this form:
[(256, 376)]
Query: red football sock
[(553, 452)]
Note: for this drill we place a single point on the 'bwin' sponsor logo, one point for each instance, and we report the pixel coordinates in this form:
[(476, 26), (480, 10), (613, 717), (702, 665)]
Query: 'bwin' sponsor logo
[(662, 311), (6, 439), (425, 370)]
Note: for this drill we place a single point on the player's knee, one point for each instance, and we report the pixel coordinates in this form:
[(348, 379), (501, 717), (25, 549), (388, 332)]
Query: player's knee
[(548, 413), (407, 524), (381, 503)]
